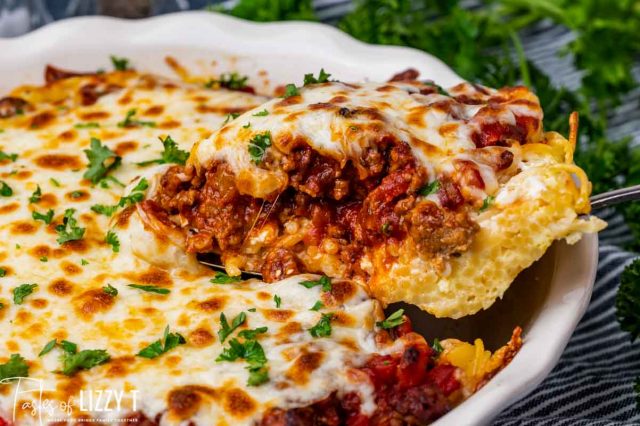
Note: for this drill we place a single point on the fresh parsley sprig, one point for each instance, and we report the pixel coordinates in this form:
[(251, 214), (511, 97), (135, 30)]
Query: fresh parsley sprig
[(161, 346), (171, 154), (323, 281), (69, 229), (101, 161), (395, 319), (226, 329)]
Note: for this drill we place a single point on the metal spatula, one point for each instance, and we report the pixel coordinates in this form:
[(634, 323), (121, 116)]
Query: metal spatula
[(600, 201)]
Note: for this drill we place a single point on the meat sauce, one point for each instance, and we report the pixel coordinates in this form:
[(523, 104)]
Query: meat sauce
[(339, 204), (410, 389)]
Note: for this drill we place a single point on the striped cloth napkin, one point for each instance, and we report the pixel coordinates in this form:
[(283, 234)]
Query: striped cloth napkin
[(593, 381)]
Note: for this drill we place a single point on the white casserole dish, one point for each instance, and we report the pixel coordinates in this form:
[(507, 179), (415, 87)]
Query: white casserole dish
[(547, 300)]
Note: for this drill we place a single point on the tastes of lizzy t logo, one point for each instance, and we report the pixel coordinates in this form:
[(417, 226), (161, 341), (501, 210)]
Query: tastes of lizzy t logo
[(30, 399)]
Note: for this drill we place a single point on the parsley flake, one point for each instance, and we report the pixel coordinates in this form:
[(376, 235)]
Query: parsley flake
[(119, 64), (44, 259), (5, 190), (69, 229), (231, 116), (252, 334), (317, 306), (157, 348), (222, 278), (171, 154), (393, 320), (131, 121), (290, 90), (101, 161), (430, 188), (110, 290), (258, 146), (88, 125), (227, 329), (262, 113), (22, 291), (323, 77), (437, 347), (36, 196), (83, 360), (277, 300), (112, 239), (487, 202), (48, 347), (323, 281), (150, 288), (252, 352), (55, 183), (5, 156), (3, 272), (14, 368), (323, 327), (232, 81), (46, 218)]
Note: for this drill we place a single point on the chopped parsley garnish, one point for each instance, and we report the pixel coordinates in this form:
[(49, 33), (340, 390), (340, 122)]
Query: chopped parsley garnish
[(88, 125), (131, 121), (251, 309), (628, 300), (487, 202), (104, 182), (252, 352), (5, 190), (437, 347), (73, 361), (22, 291), (5, 156), (69, 229), (323, 77), (277, 300), (157, 348), (101, 161), (262, 113), (69, 347), (227, 329), (150, 288), (76, 194), (15, 367), (393, 320), (385, 228), (258, 146), (135, 196), (430, 188), (112, 239), (110, 290), (48, 347), (103, 209), (438, 87), (231, 116), (46, 218), (252, 334), (119, 64), (83, 262), (222, 278), (171, 154), (3, 272), (44, 259), (324, 281), (290, 90), (232, 81), (323, 327), (36, 196), (55, 183), (246, 126), (317, 306)]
